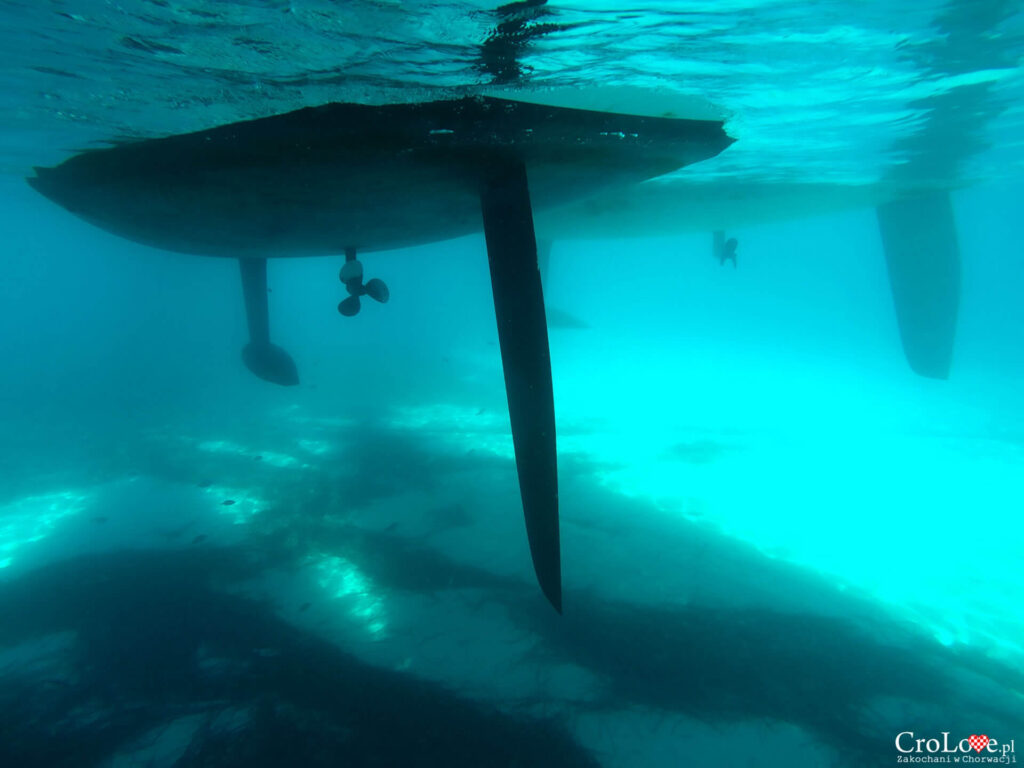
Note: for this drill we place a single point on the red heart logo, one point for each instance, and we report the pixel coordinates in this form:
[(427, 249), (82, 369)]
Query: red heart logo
[(978, 743)]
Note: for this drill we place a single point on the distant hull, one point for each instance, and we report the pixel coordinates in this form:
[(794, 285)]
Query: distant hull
[(665, 207)]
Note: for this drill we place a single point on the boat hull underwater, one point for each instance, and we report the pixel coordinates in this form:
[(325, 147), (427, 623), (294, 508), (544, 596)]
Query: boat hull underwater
[(319, 180), (350, 178)]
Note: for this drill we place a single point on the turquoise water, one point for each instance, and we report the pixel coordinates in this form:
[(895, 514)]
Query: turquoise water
[(781, 547)]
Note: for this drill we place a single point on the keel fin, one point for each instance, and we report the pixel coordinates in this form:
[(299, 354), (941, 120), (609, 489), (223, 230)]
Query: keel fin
[(525, 356), (265, 360), (923, 260)]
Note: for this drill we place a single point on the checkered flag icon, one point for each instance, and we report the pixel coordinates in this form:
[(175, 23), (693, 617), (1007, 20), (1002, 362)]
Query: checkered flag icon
[(977, 743)]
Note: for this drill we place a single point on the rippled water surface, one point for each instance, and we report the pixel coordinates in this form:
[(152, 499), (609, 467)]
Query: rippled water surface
[(835, 91)]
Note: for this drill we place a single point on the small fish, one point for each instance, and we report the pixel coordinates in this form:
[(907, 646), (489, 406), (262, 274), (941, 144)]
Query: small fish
[(100, 520), (304, 606), (204, 483), (199, 539), (258, 458), (228, 502)]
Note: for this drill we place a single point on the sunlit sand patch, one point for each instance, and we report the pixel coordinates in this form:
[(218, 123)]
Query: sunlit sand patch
[(342, 580), (886, 517), (163, 745), (316, 447), (980, 613), (462, 428), (33, 518), (241, 506), (458, 427), (296, 414), (270, 458), (43, 657)]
